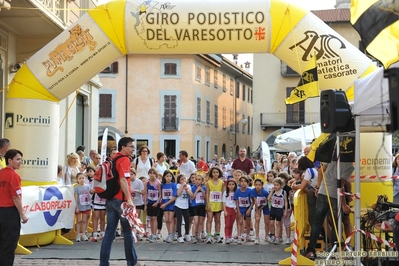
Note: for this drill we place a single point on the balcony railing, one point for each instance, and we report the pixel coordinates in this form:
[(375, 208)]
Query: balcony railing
[(170, 123), (280, 119)]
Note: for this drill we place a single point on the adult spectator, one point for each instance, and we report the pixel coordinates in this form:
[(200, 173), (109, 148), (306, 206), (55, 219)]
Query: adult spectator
[(92, 153), (257, 167), (114, 211), (143, 162), (11, 211), (113, 152), (85, 159), (4, 147), (322, 205), (243, 163), (71, 169), (161, 164), (186, 166), (201, 165), (96, 161)]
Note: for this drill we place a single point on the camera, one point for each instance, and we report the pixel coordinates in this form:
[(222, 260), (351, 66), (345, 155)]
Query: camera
[(16, 67)]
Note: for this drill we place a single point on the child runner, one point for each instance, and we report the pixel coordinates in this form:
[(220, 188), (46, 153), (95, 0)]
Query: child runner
[(259, 199), (152, 188), (137, 188), (214, 191), (242, 196), (143, 214), (181, 207), (197, 207), (83, 206), (230, 210), (279, 210), (236, 175), (169, 193), (287, 219), (271, 175), (98, 205)]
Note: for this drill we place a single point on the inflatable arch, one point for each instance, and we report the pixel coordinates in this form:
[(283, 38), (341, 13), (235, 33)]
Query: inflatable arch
[(117, 28)]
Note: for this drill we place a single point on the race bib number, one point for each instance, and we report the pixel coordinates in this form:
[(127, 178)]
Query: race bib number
[(152, 195), (215, 196), (98, 200), (231, 196), (261, 201), (243, 202), (277, 202), (199, 198), (167, 193), (84, 199)]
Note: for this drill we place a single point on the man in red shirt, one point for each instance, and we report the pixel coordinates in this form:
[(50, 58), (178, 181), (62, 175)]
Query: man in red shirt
[(201, 165), (243, 163), (11, 211), (126, 149)]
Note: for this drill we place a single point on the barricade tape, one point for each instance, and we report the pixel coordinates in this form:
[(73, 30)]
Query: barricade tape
[(376, 177), (294, 251), (370, 235), (130, 214), (355, 195)]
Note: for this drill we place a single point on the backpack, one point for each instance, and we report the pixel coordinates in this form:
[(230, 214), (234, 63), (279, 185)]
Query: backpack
[(105, 181)]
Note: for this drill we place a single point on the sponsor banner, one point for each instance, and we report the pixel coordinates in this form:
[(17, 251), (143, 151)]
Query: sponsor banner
[(73, 57), (48, 208), (338, 62), (176, 27), (376, 155), (33, 130)]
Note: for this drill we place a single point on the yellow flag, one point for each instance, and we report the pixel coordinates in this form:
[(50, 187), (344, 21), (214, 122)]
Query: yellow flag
[(308, 85)]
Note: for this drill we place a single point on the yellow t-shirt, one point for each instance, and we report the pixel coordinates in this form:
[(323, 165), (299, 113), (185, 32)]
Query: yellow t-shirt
[(215, 196), (2, 163)]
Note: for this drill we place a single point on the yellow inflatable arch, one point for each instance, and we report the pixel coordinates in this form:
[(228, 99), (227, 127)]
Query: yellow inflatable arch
[(110, 31)]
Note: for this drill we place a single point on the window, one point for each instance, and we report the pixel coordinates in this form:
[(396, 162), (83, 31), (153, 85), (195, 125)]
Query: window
[(224, 117), (198, 109), (231, 120), (249, 125), (243, 125), (237, 122), (111, 69), (295, 112), (286, 71), (207, 76), (251, 96), (231, 86), (170, 69), (243, 92), (208, 112), (224, 82), (170, 121), (105, 105), (249, 93), (237, 89), (215, 79), (216, 116), (198, 73)]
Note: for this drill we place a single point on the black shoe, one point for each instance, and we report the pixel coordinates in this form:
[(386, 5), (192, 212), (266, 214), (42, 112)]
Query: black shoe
[(310, 255)]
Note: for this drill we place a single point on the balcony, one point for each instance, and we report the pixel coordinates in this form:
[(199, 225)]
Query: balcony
[(285, 120), (170, 123)]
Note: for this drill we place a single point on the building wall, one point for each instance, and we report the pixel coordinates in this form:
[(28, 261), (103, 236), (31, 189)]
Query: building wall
[(146, 88)]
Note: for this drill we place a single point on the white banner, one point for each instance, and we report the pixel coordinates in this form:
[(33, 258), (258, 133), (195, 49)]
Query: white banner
[(266, 157), (48, 208)]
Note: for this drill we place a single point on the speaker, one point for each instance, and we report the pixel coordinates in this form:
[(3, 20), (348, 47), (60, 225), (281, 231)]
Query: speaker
[(393, 80), (335, 112)]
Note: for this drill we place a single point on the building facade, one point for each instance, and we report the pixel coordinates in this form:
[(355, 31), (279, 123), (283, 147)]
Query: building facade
[(198, 103), (274, 80), (23, 32)]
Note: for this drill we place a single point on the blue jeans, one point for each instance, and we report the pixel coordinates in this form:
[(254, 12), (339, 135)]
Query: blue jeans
[(321, 210), (114, 212)]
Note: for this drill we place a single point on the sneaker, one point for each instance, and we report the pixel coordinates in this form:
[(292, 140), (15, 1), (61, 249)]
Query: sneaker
[(208, 240), (218, 239), (180, 240), (235, 237), (233, 241), (139, 237), (187, 238), (194, 240), (94, 237), (147, 234), (153, 239), (310, 255), (169, 238), (85, 238), (159, 236), (271, 239), (277, 241), (203, 235), (281, 239), (77, 238), (288, 241), (251, 232), (227, 241), (248, 239), (257, 241), (175, 237), (239, 241)]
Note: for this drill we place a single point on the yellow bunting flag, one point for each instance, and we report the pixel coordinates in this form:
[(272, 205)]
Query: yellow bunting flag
[(308, 86)]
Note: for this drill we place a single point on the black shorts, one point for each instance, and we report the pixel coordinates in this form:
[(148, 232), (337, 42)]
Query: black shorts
[(198, 211), (276, 214), (152, 211), (141, 207)]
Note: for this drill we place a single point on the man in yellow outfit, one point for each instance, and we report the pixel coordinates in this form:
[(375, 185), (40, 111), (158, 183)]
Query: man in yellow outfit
[(4, 147)]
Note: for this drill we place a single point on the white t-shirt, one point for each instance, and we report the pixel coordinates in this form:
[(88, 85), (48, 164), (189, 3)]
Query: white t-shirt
[(137, 198), (183, 200), (230, 202), (142, 168), (311, 176), (187, 168), (161, 167)]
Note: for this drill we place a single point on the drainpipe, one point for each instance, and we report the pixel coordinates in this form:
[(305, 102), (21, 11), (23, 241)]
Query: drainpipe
[(126, 91)]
